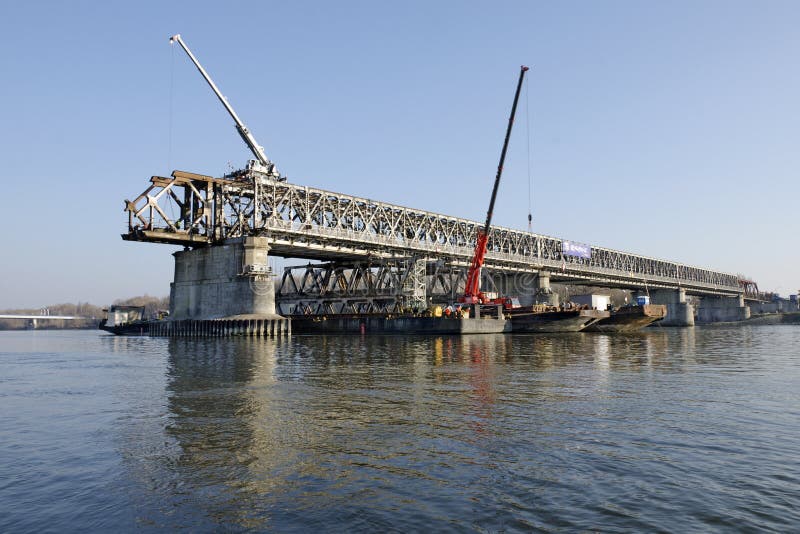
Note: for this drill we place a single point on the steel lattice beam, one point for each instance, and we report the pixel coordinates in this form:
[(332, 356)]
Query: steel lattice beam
[(312, 223)]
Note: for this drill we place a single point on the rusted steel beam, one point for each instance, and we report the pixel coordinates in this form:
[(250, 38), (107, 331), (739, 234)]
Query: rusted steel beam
[(179, 237)]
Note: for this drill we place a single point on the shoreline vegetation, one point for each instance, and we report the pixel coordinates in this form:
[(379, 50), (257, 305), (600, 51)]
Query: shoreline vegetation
[(90, 314)]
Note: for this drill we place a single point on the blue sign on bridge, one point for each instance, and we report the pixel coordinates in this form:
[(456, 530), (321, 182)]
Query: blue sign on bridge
[(569, 248)]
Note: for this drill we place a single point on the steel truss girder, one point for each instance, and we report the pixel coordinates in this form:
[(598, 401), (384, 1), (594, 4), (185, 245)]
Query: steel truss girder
[(387, 285), (313, 223)]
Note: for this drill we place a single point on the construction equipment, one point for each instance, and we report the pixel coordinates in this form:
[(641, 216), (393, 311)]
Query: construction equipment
[(261, 164), (472, 289)]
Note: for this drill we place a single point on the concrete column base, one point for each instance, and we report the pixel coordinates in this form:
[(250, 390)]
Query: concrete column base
[(530, 288), (222, 281), (514, 285), (722, 310), (544, 293), (679, 312)]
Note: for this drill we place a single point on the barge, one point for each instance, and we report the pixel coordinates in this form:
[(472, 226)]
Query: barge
[(629, 318), (541, 318), (478, 320), (125, 321)]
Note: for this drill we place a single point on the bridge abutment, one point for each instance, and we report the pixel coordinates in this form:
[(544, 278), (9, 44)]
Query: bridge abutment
[(722, 309), (679, 312), (224, 280)]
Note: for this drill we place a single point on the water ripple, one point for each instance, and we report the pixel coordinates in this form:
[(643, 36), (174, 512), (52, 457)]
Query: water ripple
[(663, 431)]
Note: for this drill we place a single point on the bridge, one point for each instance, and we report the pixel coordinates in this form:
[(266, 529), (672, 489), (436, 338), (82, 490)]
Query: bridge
[(32, 320), (377, 256), (305, 222), (343, 230)]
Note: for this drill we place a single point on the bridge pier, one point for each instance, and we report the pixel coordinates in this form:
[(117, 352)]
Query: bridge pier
[(519, 285), (224, 280), (529, 288), (722, 309), (774, 306), (679, 312), (544, 294)]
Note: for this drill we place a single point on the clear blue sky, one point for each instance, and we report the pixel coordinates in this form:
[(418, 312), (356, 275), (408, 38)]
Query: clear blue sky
[(670, 129)]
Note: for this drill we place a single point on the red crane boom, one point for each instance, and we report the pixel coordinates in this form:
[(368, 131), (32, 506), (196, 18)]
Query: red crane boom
[(472, 290)]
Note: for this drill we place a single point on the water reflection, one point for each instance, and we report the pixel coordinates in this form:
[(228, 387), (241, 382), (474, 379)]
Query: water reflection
[(270, 434), (259, 422), (217, 399)]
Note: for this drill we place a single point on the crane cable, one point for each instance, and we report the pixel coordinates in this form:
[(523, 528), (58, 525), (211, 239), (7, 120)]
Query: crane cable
[(169, 121), (528, 132), (171, 98)]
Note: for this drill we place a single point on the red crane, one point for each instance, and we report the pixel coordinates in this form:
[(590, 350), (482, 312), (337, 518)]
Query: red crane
[(472, 290)]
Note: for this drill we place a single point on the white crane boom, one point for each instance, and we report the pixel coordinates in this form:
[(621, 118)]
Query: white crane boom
[(266, 165)]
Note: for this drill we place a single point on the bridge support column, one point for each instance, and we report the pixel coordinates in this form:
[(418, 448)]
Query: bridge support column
[(523, 286), (679, 312), (223, 280), (722, 310), (544, 294)]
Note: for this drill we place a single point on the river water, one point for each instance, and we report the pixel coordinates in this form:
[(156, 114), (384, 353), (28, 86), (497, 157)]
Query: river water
[(694, 429)]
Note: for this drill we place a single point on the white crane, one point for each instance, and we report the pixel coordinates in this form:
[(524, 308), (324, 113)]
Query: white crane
[(261, 164)]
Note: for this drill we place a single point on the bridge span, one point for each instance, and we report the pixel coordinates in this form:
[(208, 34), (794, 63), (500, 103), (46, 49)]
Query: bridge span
[(305, 222), (32, 321)]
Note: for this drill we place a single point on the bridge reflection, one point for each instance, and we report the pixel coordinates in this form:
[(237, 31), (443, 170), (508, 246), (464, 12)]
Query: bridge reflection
[(259, 423)]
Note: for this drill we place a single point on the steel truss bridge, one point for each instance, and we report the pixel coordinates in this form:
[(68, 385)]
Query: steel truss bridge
[(195, 210)]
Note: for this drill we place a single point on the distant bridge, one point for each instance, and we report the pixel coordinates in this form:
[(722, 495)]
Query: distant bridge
[(306, 222), (32, 320), (42, 317)]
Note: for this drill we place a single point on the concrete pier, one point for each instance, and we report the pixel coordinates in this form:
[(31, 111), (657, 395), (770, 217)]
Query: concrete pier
[(544, 294), (520, 285), (679, 312), (774, 306), (722, 309), (223, 281), (223, 290)]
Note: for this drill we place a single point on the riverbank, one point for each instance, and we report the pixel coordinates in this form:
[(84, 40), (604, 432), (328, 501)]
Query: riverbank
[(775, 318)]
